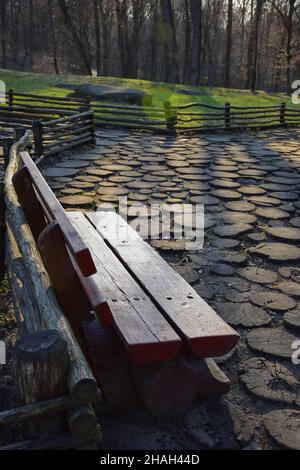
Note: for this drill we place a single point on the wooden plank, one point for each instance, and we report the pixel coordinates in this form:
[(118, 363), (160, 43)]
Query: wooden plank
[(73, 240), (145, 332), (197, 323), (66, 284), (29, 202)]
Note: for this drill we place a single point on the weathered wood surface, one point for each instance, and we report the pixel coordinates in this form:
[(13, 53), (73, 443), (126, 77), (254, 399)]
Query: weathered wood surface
[(167, 388), (56, 212), (144, 331), (81, 383), (36, 410), (193, 319), (41, 365), (66, 284), (83, 422)]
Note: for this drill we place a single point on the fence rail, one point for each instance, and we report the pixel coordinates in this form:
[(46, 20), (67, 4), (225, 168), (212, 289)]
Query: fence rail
[(193, 116), (57, 123)]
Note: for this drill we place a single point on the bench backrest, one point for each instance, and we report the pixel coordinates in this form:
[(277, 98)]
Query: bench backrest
[(64, 253)]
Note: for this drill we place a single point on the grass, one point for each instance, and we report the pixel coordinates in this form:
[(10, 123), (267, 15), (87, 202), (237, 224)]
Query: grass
[(47, 84)]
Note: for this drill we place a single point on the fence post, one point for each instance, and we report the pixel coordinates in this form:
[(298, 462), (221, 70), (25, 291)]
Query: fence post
[(282, 114), (11, 99), (42, 363), (171, 116), (37, 129), (227, 115), (84, 109), (18, 134)]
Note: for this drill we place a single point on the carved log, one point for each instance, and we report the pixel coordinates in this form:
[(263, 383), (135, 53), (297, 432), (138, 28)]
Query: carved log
[(83, 422), (167, 388), (41, 365)]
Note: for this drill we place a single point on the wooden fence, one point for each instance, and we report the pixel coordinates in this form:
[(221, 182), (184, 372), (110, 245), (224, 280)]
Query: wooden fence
[(57, 123), (192, 117)]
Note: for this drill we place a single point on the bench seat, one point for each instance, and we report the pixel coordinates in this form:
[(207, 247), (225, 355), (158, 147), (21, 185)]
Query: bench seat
[(199, 326), (120, 277)]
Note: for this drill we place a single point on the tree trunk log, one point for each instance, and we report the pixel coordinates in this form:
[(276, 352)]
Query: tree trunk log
[(42, 362)]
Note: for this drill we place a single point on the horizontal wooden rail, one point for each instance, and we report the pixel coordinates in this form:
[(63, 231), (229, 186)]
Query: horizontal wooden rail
[(169, 118)]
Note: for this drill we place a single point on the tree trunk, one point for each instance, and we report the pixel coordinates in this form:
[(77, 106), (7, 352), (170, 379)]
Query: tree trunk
[(3, 6), (53, 36), (196, 17), (187, 42), (70, 25), (228, 45), (258, 12), (97, 37), (172, 69), (289, 44)]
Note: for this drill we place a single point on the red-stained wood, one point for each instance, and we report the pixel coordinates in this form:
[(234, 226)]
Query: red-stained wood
[(193, 319), (167, 389), (145, 333), (66, 284), (29, 202), (105, 347), (95, 297), (75, 243)]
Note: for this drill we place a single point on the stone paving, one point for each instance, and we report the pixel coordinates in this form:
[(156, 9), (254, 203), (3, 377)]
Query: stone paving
[(248, 270)]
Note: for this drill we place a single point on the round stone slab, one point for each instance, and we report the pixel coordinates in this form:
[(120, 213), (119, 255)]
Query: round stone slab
[(224, 184), (270, 381), (284, 233), (251, 190), (222, 269), (233, 230), (240, 206), (273, 300), (292, 318), (295, 222), (113, 190), (206, 200), (232, 217), (275, 341), (224, 242), (77, 200), (258, 275), (272, 213), (289, 287), (265, 200), (277, 251), (58, 172), (226, 194), (243, 314), (284, 427)]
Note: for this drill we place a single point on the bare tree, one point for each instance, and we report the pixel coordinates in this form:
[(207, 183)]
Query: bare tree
[(228, 44), (70, 25), (196, 18)]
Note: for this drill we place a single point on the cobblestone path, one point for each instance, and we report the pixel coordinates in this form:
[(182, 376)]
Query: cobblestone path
[(248, 270)]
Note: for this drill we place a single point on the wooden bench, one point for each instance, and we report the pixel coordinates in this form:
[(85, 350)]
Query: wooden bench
[(144, 330)]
